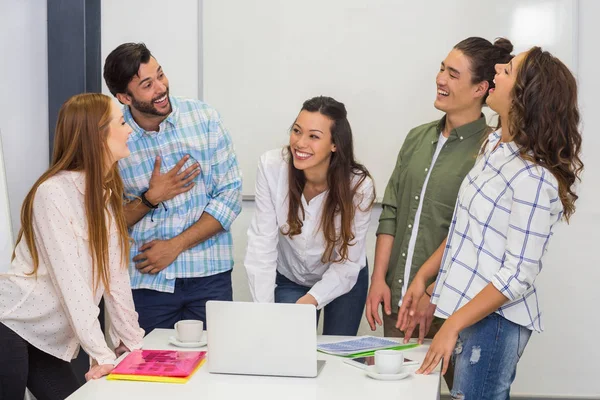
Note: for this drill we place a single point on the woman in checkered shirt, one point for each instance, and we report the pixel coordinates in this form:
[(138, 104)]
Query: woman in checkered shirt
[(520, 187)]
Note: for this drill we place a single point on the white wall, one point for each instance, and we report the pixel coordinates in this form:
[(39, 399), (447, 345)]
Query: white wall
[(24, 100)]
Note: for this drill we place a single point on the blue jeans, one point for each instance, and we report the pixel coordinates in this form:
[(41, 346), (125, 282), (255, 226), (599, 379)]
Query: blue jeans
[(342, 315), (188, 301), (486, 357)]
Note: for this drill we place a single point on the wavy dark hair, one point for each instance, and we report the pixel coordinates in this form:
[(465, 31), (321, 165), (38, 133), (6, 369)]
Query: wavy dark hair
[(340, 199), (544, 120)]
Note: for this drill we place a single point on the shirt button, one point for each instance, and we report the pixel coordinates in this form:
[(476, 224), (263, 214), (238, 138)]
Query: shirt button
[(426, 169), (403, 254), (461, 138), (416, 197), (399, 280), (409, 225)]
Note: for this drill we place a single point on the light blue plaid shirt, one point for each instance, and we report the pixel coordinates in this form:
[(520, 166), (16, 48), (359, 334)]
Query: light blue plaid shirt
[(503, 220), (192, 128)]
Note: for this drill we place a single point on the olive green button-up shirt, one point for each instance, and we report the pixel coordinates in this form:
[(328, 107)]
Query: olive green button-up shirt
[(403, 191)]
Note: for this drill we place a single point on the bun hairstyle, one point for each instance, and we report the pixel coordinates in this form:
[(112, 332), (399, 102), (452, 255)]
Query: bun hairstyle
[(484, 56), (505, 44)]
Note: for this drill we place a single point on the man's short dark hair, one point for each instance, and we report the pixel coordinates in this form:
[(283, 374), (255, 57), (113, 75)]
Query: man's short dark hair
[(122, 64)]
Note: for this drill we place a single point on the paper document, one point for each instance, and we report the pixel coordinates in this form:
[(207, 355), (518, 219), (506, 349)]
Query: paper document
[(357, 345)]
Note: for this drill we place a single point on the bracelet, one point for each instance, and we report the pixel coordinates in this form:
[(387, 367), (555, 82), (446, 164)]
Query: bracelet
[(427, 293), (147, 203)]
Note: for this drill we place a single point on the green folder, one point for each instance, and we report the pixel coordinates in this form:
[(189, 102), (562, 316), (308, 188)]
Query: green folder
[(372, 352)]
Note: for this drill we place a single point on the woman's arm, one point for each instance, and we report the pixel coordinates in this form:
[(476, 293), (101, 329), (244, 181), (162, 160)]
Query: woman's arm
[(431, 267), (261, 253), (483, 304)]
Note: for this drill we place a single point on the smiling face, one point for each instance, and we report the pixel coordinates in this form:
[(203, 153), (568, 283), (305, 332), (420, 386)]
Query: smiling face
[(455, 90), (148, 91), (311, 142), (500, 98), (118, 133)]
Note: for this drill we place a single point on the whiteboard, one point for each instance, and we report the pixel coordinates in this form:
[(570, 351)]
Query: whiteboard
[(262, 58), (6, 236)]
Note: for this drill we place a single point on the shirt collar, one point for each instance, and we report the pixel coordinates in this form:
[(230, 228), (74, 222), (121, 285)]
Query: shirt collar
[(509, 149), (466, 130), (138, 132)]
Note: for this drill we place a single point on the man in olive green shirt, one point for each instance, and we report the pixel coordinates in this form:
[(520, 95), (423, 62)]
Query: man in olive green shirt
[(404, 195), (420, 196)]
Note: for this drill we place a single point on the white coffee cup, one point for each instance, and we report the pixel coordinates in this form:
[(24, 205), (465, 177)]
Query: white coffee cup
[(189, 330), (389, 361)]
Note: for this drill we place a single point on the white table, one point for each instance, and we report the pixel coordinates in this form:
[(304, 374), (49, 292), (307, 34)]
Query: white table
[(337, 380)]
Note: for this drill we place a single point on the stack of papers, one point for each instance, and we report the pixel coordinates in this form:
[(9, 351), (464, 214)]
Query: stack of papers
[(360, 345)]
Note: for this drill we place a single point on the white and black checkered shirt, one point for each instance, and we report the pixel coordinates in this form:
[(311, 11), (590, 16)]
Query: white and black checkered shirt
[(503, 220)]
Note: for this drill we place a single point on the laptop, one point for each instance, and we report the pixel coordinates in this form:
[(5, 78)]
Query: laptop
[(262, 339)]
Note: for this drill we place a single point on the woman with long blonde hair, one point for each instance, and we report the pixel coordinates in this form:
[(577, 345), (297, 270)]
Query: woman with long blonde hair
[(72, 250)]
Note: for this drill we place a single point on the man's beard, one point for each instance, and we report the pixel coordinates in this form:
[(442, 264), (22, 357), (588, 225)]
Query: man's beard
[(149, 107)]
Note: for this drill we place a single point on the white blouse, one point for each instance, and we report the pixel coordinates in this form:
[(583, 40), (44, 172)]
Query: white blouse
[(57, 310), (298, 258)]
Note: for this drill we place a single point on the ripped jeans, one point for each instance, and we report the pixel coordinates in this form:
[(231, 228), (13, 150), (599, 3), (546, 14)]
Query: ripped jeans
[(485, 358)]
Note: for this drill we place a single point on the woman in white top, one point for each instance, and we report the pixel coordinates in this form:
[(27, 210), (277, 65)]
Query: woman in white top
[(72, 250), (306, 242), (520, 187)]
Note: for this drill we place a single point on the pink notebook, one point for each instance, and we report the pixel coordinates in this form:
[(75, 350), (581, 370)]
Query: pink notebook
[(168, 363)]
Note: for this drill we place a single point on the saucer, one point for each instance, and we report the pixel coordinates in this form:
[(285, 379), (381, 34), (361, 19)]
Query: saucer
[(372, 373), (173, 340)]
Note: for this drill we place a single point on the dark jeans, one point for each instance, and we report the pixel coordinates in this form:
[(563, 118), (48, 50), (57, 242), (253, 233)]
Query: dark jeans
[(24, 366), (163, 310), (342, 315)]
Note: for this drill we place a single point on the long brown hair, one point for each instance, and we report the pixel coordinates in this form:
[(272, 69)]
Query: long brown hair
[(80, 145), (544, 120), (340, 199)]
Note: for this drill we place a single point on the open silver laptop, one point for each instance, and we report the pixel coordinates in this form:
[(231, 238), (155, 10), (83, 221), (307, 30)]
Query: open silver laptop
[(262, 339)]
